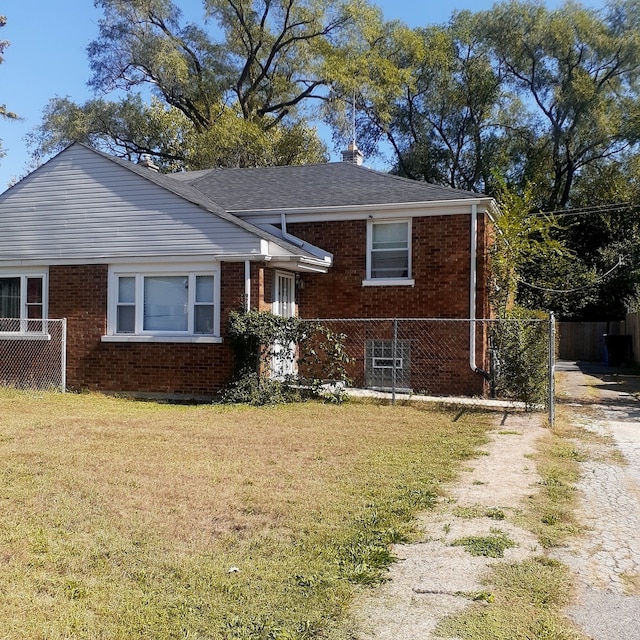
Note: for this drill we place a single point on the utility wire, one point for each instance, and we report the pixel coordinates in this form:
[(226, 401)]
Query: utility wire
[(587, 286), (582, 211)]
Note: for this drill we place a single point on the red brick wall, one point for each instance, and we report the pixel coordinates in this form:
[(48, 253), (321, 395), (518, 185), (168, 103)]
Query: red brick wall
[(440, 267), (79, 293), (441, 270)]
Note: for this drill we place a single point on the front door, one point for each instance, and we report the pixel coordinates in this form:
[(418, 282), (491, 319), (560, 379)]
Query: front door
[(284, 304)]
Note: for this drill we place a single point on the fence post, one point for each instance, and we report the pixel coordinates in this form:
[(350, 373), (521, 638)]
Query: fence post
[(552, 368), (63, 356), (394, 353)]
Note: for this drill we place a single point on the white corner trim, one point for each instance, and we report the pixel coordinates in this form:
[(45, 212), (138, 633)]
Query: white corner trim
[(389, 282), (180, 339)]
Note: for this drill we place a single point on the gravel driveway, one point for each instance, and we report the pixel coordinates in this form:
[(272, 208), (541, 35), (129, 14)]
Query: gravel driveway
[(606, 560), (426, 584)]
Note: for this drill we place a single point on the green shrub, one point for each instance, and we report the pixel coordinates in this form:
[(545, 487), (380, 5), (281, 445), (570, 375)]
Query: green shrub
[(520, 347), (319, 354)]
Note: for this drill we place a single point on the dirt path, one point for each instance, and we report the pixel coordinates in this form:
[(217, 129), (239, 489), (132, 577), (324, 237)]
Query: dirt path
[(433, 578)]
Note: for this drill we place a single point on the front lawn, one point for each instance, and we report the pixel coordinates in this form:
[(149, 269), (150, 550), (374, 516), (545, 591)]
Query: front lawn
[(137, 520)]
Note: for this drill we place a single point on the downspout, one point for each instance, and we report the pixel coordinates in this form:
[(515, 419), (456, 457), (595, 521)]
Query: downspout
[(285, 235), (473, 281), (247, 285)]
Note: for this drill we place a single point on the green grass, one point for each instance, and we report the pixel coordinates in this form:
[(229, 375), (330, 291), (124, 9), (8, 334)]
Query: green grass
[(490, 546), (478, 511), (525, 601), (123, 519)]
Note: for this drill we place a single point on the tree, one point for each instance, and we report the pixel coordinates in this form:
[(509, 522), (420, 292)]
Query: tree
[(534, 94), (250, 84), (577, 73), (4, 113), (547, 99)]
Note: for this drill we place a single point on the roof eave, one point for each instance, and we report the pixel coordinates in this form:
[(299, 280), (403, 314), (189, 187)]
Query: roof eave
[(481, 200)]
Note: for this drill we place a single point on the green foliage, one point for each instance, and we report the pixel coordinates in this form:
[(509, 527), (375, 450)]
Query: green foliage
[(132, 128), (523, 237), (319, 353), (229, 88), (479, 511), (520, 348), (260, 390), (526, 602)]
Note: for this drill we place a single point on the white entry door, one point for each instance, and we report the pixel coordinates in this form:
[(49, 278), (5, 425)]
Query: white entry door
[(283, 361)]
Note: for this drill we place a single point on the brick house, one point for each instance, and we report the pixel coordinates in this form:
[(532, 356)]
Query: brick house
[(146, 266)]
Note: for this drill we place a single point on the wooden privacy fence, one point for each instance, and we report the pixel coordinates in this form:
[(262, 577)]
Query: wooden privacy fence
[(586, 340)]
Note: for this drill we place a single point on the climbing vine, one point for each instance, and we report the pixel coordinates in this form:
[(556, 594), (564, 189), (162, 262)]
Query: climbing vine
[(260, 338)]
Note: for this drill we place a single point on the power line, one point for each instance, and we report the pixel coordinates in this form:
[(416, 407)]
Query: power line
[(584, 287), (581, 211)]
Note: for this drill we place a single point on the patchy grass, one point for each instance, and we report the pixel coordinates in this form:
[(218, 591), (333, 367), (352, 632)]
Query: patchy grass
[(550, 512), (527, 598), (525, 601), (478, 511), (124, 519), (490, 546)]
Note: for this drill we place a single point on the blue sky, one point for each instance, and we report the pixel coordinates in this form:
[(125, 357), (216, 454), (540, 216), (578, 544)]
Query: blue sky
[(47, 57)]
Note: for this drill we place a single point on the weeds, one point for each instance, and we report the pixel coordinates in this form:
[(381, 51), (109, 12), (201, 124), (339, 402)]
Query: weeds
[(491, 546), (527, 598), (478, 511)]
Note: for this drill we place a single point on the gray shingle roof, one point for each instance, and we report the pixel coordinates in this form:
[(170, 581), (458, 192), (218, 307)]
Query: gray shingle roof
[(338, 184)]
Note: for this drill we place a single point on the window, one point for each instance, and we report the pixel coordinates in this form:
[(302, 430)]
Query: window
[(22, 303), (164, 304), (379, 364), (389, 252)]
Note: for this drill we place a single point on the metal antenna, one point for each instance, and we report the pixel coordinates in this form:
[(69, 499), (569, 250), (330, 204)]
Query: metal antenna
[(353, 119)]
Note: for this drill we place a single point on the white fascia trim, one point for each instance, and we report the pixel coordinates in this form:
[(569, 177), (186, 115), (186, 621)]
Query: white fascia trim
[(204, 258), (294, 265), (366, 207)]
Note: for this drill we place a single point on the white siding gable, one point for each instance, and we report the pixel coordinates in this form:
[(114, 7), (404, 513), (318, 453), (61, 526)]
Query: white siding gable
[(82, 207)]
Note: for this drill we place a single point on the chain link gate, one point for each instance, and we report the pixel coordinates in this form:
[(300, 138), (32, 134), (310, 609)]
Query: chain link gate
[(33, 354)]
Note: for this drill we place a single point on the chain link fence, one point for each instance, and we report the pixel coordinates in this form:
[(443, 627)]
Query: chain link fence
[(506, 359), (33, 354)]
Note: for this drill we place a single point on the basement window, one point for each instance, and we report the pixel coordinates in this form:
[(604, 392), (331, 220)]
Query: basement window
[(379, 365)]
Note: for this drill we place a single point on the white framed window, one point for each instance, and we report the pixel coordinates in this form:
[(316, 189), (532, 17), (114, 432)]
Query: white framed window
[(23, 302), (164, 303), (388, 253)]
